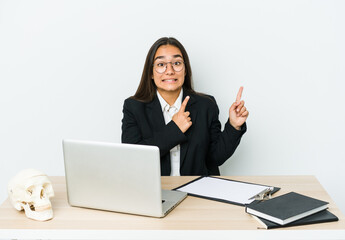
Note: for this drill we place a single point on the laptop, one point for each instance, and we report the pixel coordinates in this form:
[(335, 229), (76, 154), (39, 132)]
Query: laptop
[(117, 177)]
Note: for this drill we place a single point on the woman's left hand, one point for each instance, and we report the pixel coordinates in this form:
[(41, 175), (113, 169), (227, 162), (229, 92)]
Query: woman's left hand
[(238, 113)]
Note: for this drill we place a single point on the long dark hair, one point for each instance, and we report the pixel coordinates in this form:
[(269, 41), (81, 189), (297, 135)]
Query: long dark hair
[(147, 89)]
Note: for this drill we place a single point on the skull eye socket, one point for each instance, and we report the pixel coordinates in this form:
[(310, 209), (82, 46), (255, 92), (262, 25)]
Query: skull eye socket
[(42, 193), (29, 191)]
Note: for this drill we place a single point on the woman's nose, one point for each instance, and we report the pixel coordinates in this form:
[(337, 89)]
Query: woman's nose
[(169, 69)]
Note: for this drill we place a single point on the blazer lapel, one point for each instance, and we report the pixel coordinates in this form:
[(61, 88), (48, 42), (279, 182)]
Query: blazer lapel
[(191, 107), (155, 114)]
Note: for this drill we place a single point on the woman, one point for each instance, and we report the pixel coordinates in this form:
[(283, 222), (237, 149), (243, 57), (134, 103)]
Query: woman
[(166, 112)]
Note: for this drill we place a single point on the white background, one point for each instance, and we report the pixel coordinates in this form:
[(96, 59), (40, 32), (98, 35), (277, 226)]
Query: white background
[(67, 66)]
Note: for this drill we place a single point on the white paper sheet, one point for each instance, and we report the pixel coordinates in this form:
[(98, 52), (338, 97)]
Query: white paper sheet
[(232, 191)]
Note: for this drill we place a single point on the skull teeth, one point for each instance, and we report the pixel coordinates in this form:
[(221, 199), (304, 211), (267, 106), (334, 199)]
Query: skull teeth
[(37, 208), (42, 208)]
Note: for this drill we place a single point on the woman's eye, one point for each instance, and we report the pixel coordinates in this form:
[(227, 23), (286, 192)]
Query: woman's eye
[(160, 64), (177, 63)]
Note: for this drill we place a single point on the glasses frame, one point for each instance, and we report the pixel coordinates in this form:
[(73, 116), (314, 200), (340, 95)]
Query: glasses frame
[(166, 66)]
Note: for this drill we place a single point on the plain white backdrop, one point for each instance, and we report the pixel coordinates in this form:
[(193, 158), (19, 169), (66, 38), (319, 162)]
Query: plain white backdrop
[(67, 66)]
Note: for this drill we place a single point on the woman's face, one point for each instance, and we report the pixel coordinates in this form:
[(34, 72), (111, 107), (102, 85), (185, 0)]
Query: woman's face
[(170, 81)]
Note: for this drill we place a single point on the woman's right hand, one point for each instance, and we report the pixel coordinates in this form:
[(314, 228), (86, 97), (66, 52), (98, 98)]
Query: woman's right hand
[(181, 118)]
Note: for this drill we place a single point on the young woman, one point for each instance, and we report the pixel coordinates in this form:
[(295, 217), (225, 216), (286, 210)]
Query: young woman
[(166, 112)]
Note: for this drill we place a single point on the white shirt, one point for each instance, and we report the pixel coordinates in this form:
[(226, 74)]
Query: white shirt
[(168, 113)]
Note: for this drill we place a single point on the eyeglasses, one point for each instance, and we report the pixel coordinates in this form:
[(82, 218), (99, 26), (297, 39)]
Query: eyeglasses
[(161, 67)]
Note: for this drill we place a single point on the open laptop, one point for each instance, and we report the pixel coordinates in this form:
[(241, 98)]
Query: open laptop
[(117, 177)]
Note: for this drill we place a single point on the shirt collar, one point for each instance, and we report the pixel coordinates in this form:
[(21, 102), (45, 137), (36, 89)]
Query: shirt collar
[(165, 106)]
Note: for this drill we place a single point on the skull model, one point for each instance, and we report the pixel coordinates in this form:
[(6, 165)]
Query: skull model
[(30, 190)]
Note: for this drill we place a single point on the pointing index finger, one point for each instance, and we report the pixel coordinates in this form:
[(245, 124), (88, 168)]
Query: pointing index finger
[(184, 104), (239, 95)]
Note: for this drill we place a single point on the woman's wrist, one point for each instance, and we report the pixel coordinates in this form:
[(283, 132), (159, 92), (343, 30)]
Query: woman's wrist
[(238, 128)]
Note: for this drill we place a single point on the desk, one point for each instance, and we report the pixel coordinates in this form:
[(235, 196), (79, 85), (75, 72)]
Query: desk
[(194, 218)]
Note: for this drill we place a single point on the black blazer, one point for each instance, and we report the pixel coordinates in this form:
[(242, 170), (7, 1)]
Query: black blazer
[(204, 146)]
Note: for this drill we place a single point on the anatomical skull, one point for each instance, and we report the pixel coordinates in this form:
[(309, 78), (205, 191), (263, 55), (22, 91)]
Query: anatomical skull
[(30, 190)]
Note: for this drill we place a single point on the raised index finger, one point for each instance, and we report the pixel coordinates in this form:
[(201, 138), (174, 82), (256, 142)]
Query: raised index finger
[(184, 104), (239, 95)]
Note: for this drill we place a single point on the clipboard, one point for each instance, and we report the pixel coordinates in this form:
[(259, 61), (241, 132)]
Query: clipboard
[(225, 190)]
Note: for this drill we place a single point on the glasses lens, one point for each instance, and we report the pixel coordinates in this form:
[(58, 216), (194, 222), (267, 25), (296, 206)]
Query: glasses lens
[(177, 66), (160, 67)]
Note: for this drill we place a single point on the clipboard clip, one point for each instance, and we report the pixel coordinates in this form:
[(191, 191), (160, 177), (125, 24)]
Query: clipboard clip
[(263, 195)]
